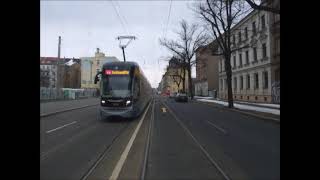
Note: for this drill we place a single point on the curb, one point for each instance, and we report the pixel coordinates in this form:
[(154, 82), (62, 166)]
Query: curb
[(243, 112), (249, 104), (71, 109)]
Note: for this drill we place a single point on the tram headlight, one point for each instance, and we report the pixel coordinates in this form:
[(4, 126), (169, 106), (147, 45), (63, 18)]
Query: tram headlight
[(128, 102), (103, 101)]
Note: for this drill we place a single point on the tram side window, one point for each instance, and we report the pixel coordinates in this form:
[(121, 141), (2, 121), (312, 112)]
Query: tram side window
[(136, 90)]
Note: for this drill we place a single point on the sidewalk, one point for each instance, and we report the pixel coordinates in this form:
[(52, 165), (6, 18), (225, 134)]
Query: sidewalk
[(54, 106), (265, 105), (246, 108)]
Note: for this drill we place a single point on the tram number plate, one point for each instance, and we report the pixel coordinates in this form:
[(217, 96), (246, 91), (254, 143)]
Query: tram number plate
[(115, 104)]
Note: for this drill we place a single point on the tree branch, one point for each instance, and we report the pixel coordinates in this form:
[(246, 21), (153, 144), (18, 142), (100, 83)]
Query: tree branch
[(262, 8)]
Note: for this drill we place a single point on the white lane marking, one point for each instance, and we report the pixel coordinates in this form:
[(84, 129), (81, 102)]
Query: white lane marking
[(197, 142), (123, 157), (60, 127), (219, 128), (65, 110)]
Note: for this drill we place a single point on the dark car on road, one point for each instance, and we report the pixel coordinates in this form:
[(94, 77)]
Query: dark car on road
[(181, 97)]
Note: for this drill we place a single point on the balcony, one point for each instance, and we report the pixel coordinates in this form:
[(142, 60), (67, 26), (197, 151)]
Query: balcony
[(253, 42), (263, 36), (264, 59), (254, 62), (246, 65), (263, 29), (254, 34)]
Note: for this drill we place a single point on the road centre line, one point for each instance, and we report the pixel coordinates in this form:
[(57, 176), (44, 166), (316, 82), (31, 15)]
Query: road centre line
[(217, 127), (197, 142), (60, 127), (123, 157), (147, 147)]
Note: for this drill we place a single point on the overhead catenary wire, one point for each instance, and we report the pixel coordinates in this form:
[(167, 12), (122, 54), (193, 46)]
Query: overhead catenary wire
[(166, 29), (123, 17), (119, 17)]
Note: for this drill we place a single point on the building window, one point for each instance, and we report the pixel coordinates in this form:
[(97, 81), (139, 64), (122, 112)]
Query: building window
[(246, 32), (264, 50), (256, 81), (239, 34), (254, 30), (220, 65), (248, 81), (265, 99), (234, 62), (226, 84), (256, 98), (235, 83), (234, 39), (221, 84), (247, 57), (241, 82), (265, 81), (277, 46), (263, 22), (255, 56), (240, 59)]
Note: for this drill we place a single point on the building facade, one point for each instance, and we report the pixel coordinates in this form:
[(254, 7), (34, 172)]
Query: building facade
[(275, 50), (90, 66), (55, 73), (252, 67), (72, 75), (48, 72), (171, 81), (207, 73)]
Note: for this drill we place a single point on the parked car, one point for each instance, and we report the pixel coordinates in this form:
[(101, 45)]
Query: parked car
[(181, 97), (173, 95)]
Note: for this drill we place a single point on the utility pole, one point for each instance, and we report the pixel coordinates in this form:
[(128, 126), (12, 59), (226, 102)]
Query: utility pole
[(58, 75), (59, 47), (124, 46)]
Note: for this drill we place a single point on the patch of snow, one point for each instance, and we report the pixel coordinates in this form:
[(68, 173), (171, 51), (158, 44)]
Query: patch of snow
[(243, 102), (263, 104), (245, 107)]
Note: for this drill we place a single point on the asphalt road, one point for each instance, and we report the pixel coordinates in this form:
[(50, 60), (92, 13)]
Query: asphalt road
[(68, 152), (245, 147), (170, 141)]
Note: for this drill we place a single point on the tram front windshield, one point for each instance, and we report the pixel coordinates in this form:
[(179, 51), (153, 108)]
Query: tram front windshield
[(118, 86)]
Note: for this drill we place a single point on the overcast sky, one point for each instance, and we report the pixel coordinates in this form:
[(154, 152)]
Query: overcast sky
[(86, 25)]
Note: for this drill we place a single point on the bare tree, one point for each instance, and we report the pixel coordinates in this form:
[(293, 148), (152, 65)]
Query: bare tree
[(220, 16), (189, 39), (176, 73)]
